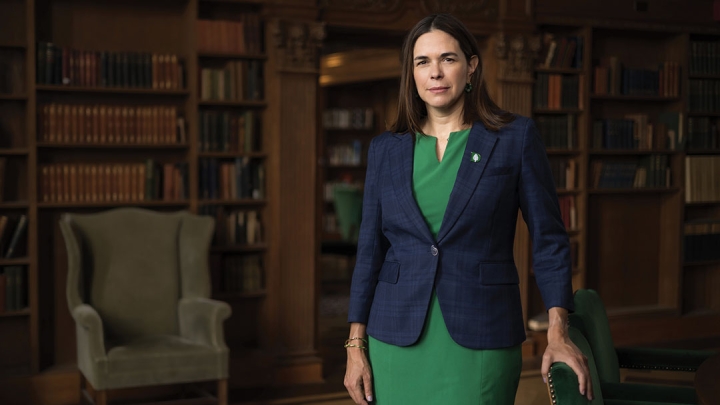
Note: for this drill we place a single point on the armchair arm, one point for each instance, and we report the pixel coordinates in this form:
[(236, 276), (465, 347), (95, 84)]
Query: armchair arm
[(90, 336), (661, 359), (201, 320), (563, 386)]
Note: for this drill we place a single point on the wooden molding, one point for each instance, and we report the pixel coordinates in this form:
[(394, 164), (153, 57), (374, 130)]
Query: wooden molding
[(488, 9), (516, 55), (297, 44), (364, 5)]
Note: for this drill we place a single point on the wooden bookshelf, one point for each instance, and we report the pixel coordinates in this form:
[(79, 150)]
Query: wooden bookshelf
[(40, 340)]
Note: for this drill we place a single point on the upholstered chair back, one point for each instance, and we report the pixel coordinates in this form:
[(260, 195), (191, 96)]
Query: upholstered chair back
[(131, 272)]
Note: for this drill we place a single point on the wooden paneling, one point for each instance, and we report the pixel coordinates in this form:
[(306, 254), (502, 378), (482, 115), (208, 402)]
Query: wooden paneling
[(625, 258), (698, 12)]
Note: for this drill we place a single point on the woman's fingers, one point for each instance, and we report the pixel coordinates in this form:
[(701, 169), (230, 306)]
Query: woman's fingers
[(580, 367), (367, 385)]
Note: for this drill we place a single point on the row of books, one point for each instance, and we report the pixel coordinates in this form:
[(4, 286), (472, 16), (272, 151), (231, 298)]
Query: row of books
[(234, 226), (111, 124), (234, 81), (647, 171), (12, 235), (561, 51), (242, 274), (242, 178), (564, 173), (348, 118), (345, 154), (554, 91), (704, 58), (635, 131), (557, 131), (62, 65), (702, 179), (12, 72), (704, 96), (568, 211), (703, 133), (702, 239), (13, 289), (113, 182), (242, 35), (610, 77), (229, 131)]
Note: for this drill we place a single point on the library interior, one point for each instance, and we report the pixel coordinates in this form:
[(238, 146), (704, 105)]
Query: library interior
[(193, 171)]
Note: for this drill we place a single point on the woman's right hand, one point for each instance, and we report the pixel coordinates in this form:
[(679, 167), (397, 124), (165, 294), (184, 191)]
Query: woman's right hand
[(358, 376)]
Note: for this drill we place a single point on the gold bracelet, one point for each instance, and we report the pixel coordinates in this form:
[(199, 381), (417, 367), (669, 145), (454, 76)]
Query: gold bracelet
[(359, 347), (356, 338)]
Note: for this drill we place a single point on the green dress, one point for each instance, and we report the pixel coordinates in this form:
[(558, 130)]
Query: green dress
[(436, 370)]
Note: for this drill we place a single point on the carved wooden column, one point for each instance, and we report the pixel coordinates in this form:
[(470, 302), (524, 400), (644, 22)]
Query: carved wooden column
[(292, 80)]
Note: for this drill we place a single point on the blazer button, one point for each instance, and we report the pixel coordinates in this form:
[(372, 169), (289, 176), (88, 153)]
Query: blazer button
[(433, 250)]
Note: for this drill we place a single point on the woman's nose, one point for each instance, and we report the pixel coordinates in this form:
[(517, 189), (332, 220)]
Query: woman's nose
[(436, 71)]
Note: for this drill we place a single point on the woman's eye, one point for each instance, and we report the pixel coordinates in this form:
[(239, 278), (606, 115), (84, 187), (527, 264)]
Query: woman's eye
[(422, 62), (449, 60)]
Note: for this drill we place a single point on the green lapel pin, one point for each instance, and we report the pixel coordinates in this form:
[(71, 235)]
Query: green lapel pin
[(475, 157)]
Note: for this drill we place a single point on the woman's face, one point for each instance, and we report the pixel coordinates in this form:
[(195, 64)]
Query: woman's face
[(441, 70)]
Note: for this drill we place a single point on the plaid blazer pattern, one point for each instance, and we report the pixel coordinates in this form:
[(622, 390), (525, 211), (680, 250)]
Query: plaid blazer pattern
[(470, 265)]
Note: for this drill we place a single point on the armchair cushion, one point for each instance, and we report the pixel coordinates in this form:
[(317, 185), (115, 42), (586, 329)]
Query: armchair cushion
[(156, 360)]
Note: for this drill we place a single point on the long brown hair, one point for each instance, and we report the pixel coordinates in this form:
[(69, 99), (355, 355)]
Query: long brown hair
[(478, 105)]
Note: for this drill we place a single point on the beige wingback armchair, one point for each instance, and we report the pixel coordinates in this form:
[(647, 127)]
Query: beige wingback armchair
[(138, 287)]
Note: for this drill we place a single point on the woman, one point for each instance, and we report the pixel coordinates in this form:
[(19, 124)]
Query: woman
[(434, 300)]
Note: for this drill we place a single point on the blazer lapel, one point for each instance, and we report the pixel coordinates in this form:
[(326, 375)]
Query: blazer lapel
[(401, 163), (480, 142)]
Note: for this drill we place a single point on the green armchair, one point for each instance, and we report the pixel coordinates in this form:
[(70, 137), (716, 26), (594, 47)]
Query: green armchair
[(138, 287), (563, 382), (590, 318)]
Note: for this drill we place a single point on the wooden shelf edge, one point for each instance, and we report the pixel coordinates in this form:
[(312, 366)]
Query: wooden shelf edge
[(15, 261), (113, 204), (631, 98), (232, 103), (13, 97), (639, 190), (110, 90), (256, 155), (256, 248), (246, 201), (84, 145), (14, 204), (14, 151), (611, 152), (230, 55), (573, 71), (557, 111), (10, 314)]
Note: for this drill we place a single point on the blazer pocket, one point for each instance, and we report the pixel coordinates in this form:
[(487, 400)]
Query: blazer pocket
[(389, 272), (499, 171), (498, 273)]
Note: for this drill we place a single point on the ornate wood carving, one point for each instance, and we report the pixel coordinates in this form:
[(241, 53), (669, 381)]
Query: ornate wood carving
[(364, 5), (486, 8), (297, 44), (516, 55)]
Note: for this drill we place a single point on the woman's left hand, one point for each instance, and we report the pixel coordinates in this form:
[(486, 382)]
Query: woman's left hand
[(561, 349)]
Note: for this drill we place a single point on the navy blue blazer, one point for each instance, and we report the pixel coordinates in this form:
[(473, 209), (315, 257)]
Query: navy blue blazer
[(470, 265)]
